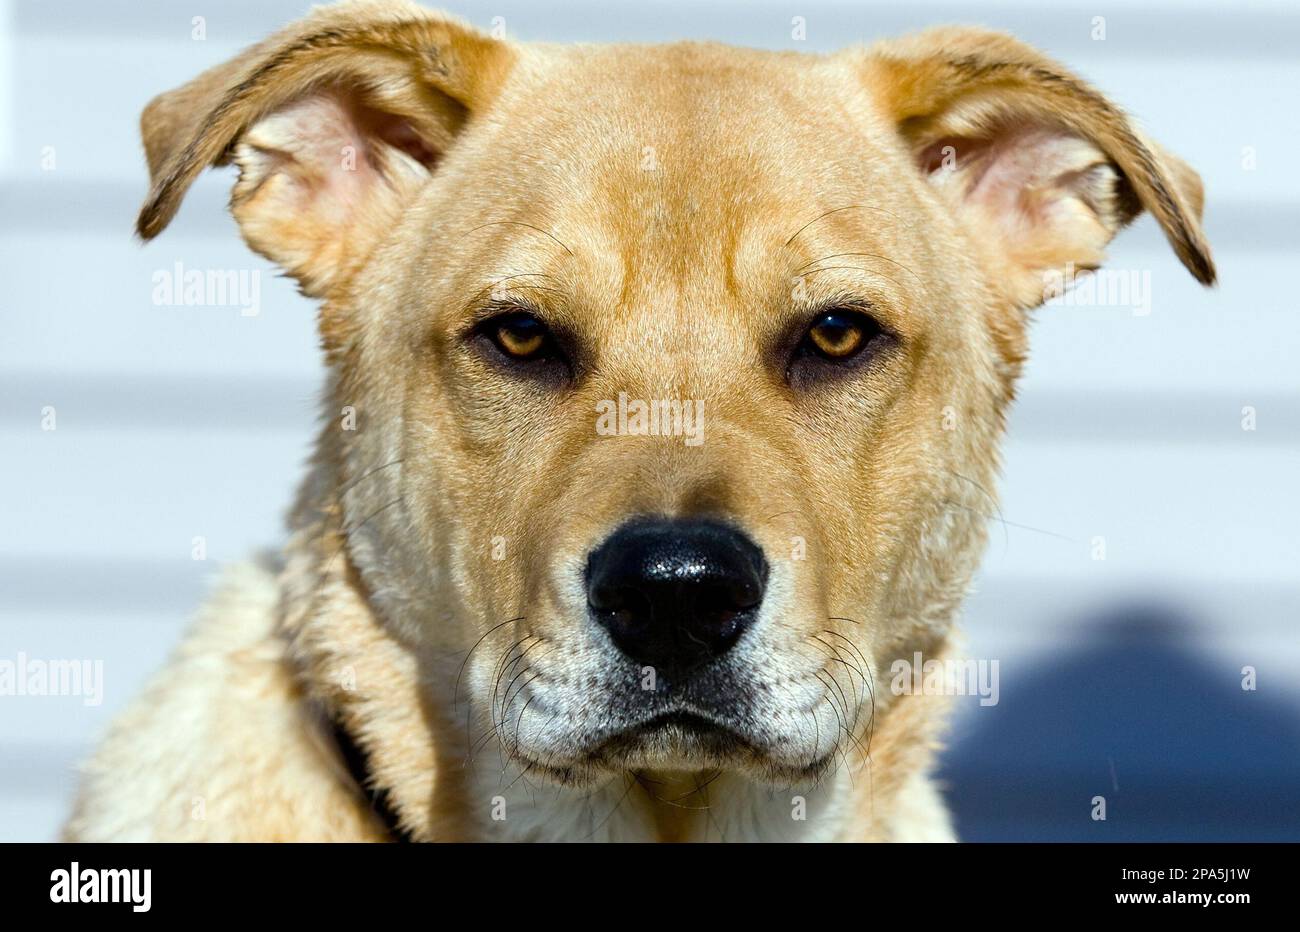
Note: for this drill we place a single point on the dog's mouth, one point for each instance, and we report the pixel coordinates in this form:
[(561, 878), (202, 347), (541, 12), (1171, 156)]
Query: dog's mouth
[(681, 729), (718, 719), (686, 740), (679, 739), (682, 741)]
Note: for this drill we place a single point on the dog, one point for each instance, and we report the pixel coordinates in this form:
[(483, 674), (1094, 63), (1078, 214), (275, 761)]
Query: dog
[(665, 391)]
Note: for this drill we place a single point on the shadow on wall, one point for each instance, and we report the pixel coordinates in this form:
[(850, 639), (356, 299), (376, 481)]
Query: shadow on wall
[(1179, 750)]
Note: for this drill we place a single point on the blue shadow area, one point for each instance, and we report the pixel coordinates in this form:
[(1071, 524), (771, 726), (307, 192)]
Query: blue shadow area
[(1179, 750)]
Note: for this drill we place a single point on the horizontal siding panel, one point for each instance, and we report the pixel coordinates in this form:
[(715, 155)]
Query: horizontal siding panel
[(86, 303), (1218, 514), (146, 493), (129, 646)]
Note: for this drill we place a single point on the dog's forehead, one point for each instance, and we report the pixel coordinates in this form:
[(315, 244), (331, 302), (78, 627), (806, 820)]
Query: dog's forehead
[(695, 115), (665, 175)]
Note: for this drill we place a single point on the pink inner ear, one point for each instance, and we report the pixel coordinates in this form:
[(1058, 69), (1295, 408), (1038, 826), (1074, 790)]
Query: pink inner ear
[(1028, 177), (331, 149), (322, 175), (318, 146)]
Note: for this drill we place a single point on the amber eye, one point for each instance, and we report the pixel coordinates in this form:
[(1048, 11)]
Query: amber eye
[(520, 335), (839, 334), (517, 341), (839, 341)]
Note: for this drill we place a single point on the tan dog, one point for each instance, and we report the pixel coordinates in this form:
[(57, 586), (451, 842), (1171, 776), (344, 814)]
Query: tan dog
[(677, 374)]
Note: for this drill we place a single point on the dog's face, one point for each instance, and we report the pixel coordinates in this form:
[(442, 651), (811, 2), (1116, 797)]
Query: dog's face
[(669, 412), (677, 373)]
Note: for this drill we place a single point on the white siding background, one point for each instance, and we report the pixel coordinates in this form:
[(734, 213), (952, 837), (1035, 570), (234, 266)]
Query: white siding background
[(180, 422)]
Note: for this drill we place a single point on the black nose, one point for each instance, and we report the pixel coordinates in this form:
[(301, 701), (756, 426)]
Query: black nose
[(674, 594)]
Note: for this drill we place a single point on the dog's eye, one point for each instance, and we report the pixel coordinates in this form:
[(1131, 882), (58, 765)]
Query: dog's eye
[(520, 336), (838, 339), (840, 334), (520, 342)]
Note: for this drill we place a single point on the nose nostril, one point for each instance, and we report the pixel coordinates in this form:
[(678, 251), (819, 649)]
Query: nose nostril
[(676, 593)]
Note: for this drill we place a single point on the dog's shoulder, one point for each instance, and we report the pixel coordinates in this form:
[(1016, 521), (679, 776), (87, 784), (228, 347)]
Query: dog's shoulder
[(221, 745)]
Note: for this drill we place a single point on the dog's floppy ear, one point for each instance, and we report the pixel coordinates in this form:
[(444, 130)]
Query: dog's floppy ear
[(1042, 167), (332, 122)]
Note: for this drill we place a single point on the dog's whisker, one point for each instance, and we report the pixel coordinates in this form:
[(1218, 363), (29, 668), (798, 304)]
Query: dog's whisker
[(710, 819), (835, 652), (617, 806), (851, 268), (837, 210), (782, 514), (863, 255), (992, 500), (506, 701), (828, 655), (522, 774), (528, 287), (857, 651), (475, 745), (461, 670), (864, 671), (530, 226), (835, 707), (1005, 523), (519, 723), (509, 749), (843, 696), (515, 661), (648, 784), (346, 533), (835, 657), (838, 751), (349, 531), (506, 697), (482, 740), (499, 671), (348, 487), (851, 668), (850, 731)]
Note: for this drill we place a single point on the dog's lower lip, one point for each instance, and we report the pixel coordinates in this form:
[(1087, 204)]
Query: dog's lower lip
[(684, 720), (682, 729)]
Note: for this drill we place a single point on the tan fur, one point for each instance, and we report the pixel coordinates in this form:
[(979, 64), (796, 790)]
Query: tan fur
[(678, 208)]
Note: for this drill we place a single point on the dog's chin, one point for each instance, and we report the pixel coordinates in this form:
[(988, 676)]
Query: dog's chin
[(680, 742)]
